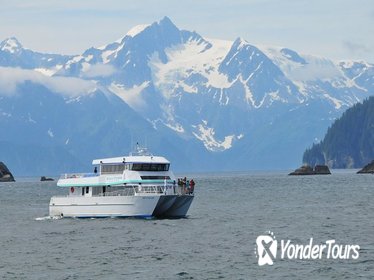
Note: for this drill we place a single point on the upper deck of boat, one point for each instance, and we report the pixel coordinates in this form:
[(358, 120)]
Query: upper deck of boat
[(131, 159)]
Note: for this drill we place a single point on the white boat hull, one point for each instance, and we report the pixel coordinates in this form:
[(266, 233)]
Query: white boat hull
[(110, 206)]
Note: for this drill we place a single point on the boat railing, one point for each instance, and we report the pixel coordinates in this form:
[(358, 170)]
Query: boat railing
[(149, 189), (78, 175), (182, 190), (124, 192), (130, 191), (169, 189)]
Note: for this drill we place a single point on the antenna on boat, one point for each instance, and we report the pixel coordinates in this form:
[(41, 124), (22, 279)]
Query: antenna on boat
[(140, 151), (131, 143)]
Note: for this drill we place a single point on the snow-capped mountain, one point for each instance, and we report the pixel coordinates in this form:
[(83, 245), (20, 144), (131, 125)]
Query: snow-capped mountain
[(13, 54), (218, 104)]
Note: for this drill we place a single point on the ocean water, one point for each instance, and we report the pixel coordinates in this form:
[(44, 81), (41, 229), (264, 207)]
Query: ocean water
[(216, 241)]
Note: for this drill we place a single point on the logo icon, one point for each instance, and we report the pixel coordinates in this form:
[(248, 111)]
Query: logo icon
[(266, 249)]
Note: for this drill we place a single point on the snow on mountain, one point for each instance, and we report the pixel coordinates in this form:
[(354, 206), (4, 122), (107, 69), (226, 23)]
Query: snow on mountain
[(11, 45), (248, 106), (263, 82), (318, 77), (360, 74), (131, 96), (137, 29), (13, 54), (206, 135), (190, 58)]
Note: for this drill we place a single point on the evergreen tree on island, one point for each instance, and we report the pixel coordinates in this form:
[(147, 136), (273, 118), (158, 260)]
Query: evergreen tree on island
[(349, 142)]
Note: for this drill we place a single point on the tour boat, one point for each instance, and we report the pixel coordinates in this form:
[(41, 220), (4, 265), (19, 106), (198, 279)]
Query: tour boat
[(138, 185)]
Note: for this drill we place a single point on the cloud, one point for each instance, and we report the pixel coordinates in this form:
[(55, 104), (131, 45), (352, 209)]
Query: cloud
[(98, 70), (67, 86), (132, 96), (315, 69), (356, 48)]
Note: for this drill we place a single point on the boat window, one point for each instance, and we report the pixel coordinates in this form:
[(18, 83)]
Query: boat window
[(119, 168), (87, 189), (82, 191), (112, 168), (149, 167), (96, 191)]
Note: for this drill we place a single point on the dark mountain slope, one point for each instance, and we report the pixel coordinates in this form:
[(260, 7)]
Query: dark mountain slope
[(349, 142)]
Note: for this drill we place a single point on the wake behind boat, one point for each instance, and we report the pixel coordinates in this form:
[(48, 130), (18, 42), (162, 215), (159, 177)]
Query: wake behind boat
[(138, 185)]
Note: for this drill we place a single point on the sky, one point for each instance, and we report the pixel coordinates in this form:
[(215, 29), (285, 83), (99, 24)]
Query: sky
[(336, 29)]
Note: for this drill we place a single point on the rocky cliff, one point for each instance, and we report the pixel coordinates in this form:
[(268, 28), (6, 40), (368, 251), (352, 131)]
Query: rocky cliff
[(5, 174)]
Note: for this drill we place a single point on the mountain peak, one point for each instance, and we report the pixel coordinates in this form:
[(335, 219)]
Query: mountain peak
[(164, 24), (11, 45), (239, 43), (166, 21)]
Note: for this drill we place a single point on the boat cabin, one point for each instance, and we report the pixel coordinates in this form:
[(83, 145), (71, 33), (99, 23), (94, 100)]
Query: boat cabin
[(133, 163)]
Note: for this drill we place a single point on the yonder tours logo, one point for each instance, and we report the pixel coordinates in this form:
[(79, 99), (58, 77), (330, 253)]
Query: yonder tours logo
[(266, 249), (267, 246)]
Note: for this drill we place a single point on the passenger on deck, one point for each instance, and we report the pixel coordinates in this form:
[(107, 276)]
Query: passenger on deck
[(192, 186), (184, 182), (188, 185)]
